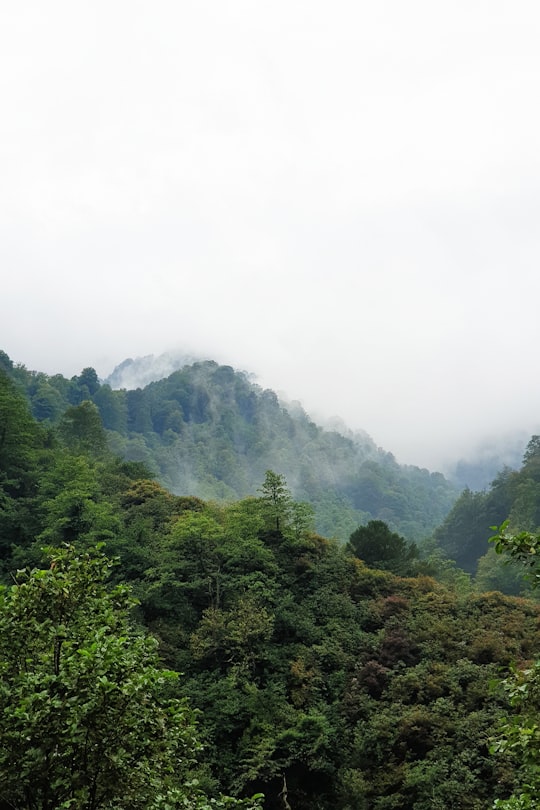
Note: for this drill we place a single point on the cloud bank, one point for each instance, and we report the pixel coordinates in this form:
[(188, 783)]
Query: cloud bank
[(343, 200)]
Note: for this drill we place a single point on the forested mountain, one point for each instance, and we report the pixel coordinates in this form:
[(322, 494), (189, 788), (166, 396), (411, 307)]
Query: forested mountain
[(207, 430), (321, 682), (143, 370), (464, 534), (483, 464)]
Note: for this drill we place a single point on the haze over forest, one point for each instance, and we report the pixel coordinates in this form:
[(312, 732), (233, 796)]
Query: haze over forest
[(474, 468), (341, 200), (341, 645)]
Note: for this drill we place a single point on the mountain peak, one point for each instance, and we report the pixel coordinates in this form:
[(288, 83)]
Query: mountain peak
[(139, 372)]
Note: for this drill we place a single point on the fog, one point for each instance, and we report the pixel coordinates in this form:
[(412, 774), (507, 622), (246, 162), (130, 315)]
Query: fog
[(340, 198)]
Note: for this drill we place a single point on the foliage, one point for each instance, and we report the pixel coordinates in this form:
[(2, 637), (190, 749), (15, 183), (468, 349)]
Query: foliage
[(87, 716), (276, 500), (23, 451), (378, 547), (320, 681), (495, 573), (520, 733), (20, 437), (207, 430), (464, 534), (521, 546), (82, 430), (514, 495)]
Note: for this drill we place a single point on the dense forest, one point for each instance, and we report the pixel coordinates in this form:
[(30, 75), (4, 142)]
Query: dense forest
[(207, 430), (512, 495), (322, 674)]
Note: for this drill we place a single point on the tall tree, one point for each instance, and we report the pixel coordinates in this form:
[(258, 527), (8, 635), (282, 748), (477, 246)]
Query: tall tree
[(88, 720), (276, 499), (381, 548), (82, 430)]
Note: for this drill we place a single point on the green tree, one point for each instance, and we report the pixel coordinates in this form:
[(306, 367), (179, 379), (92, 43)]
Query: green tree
[(19, 438), (236, 636), (22, 447), (71, 504), (531, 458), (112, 408), (520, 733), (496, 574), (46, 402), (381, 548), (87, 382), (276, 500), (522, 546), (464, 534), (88, 720), (82, 430)]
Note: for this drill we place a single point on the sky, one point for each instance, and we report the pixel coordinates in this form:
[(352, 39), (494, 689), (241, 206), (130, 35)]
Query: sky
[(341, 198)]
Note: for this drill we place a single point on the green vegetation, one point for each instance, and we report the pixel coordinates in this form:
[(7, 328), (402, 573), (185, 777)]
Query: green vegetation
[(519, 733), (464, 535), (324, 675), (209, 431), (380, 548), (87, 717)]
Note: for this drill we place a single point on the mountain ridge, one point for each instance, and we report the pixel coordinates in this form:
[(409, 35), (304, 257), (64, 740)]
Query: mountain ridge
[(475, 470), (210, 431)]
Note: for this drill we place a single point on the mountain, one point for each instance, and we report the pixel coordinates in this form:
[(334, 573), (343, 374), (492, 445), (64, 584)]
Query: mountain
[(483, 463), (143, 370), (210, 431), (314, 677), (513, 495)]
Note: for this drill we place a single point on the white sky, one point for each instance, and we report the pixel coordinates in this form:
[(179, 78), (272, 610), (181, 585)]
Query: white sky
[(343, 198)]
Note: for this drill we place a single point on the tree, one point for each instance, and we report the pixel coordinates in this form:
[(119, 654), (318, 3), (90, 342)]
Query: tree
[(520, 733), (46, 402), (276, 500), (379, 547), (88, 720), (523, 547), (72, 507), (22, 449), (82, 430), (532, 451), (112, 408), (20, 436), (87, 382), (496, 574), (464, 534)]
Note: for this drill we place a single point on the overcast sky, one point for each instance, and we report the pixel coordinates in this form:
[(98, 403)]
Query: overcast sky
[(341, 197)]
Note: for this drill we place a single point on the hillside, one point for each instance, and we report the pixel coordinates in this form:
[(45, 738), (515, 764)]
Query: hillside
[(207, 430), (315, 677), (513, 494)]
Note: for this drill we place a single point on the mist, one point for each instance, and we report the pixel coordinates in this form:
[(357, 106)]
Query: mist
[(340, 200)]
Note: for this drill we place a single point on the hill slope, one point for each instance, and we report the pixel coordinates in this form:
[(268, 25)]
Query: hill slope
[(344, 686), (207, 430)]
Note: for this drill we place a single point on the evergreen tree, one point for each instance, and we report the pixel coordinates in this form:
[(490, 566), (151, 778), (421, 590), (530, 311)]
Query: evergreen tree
[(276, 500), (381, 548)]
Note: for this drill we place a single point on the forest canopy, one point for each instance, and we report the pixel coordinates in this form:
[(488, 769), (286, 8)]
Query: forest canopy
[(322, 674), (207, 430)]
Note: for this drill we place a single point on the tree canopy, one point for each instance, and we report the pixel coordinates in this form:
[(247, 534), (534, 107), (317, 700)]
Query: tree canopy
[(88, 714), (519, 733), (326, 676), (207, 430), (381, 548)]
